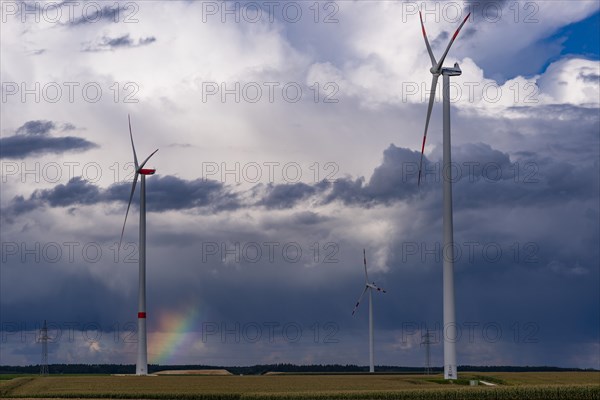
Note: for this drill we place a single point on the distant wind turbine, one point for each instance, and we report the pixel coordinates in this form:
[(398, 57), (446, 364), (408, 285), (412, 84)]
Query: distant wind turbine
[(368, 287), (142, 356), (448, 249)]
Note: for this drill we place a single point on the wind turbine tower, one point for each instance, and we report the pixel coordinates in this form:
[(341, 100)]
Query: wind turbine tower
[(369, 287), (141, 367), (449, 329)]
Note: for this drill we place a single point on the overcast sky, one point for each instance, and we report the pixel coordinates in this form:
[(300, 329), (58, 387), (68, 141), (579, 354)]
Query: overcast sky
[(289, 137)]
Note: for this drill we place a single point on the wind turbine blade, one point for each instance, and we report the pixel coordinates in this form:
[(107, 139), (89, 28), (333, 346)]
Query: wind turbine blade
[(439, 64), (146, 160), (359, 299), (431, 101), (132, 145), (365, 263), (433, 62), (128, 206)]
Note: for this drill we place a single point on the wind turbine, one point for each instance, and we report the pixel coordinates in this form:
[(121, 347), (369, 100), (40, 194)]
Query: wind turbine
[(450, 334), (141, 367), (369, 287)]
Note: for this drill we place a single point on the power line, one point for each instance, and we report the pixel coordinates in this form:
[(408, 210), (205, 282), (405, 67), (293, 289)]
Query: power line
[(44, 340), (426, 340)]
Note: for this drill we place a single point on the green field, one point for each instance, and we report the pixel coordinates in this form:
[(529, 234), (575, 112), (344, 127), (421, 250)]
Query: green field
[(510, 385)]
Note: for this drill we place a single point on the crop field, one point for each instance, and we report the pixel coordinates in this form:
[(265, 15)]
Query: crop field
[(509, 385)]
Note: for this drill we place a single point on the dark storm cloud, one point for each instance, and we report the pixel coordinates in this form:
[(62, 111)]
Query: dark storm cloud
[(20, 205), (24, 146), (286, 195), (172, 193), (33, 138), (347, 191), (396, 177), (76, 192), (106, 43), (393, 180), (165, 194), (527, 181), (482, 175)]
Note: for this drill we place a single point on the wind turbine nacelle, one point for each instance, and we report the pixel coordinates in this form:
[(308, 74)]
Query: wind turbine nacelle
[(147, 171), (454, 71)]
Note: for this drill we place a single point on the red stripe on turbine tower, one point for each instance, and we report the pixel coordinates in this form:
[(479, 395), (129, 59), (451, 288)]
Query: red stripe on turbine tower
[(141, 315)]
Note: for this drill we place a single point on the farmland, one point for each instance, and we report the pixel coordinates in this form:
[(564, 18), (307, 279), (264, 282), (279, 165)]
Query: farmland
[(510, 385)]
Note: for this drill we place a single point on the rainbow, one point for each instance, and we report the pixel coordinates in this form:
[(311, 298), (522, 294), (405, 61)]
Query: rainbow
[(175, 332)]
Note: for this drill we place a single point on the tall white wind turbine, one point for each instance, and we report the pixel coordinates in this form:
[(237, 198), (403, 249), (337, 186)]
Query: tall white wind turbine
[(141, 367), (369, 287), (450, 334)]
